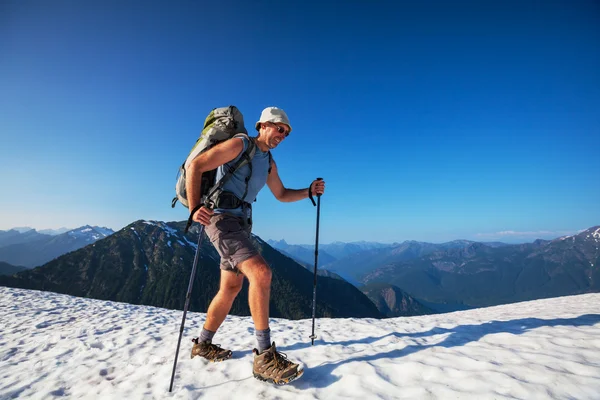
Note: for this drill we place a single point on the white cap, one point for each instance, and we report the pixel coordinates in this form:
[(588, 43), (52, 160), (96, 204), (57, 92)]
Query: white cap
[(274, 115)]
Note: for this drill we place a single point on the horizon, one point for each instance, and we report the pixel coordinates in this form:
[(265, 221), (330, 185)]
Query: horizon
[(512, 236), (430, 121)]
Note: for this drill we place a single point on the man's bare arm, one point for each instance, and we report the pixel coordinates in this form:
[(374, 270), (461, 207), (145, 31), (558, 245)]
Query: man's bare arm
[(284, 194), (207, 161)]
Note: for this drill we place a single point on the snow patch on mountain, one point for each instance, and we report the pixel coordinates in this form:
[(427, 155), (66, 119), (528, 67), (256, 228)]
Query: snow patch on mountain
[(136, 233), (90, 233), (162, 225), (194, 245)]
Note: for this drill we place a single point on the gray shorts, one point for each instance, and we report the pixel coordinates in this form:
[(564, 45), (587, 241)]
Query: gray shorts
[(231, 237)]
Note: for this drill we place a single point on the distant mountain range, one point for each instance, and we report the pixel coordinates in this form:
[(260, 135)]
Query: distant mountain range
[(497, 273), (29, 248), (150, 263), (352, 260), (478, 275), (303, 254), (55, 231), (328, 255), (359, 263), (408, 278), (341, 250)]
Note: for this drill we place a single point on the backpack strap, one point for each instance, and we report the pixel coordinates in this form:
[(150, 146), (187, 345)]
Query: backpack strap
[(246, 158), (270, 161)]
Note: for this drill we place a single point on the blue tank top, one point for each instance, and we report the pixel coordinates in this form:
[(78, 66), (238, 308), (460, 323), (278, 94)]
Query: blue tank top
[(237, 182)]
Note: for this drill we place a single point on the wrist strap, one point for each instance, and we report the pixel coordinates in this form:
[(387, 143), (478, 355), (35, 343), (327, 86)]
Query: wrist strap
[(310, 196)]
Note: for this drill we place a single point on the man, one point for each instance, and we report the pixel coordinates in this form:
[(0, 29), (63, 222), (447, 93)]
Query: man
[(229, 225)]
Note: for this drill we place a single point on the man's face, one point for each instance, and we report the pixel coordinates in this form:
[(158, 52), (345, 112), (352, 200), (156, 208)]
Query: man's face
[(275, 133)]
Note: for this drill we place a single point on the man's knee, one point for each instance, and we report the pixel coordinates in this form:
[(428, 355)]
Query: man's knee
[(265, 273), (256, 270), (230, 284), (232, 288)]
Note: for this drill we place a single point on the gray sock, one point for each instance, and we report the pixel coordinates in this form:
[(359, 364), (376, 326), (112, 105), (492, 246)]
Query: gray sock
[(206, 335), (264, 339)]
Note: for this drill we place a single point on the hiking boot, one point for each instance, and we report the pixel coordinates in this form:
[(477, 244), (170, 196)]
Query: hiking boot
[(212, 352), (274, 367)]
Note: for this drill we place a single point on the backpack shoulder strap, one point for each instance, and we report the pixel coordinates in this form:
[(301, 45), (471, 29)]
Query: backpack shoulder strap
[(250, 149), (270, 162), (246, 158)]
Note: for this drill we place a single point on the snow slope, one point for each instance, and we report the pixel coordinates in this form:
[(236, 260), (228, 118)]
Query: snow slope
[(58, 345)]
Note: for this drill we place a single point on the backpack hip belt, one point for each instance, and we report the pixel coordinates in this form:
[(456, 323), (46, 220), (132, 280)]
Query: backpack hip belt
[(229, 201)]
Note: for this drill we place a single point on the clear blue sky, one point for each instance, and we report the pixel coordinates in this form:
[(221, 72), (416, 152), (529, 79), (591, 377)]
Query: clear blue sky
[(429, 120)]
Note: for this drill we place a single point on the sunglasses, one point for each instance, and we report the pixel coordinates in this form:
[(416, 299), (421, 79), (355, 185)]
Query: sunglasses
[(280, 129)]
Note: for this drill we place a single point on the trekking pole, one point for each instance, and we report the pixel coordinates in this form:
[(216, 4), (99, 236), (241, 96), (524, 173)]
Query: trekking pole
[(187, 303), (313, 337)]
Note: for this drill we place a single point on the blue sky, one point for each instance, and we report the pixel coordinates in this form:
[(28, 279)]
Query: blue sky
[(429, 120)]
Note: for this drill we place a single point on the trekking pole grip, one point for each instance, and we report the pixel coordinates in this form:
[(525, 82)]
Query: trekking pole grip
[(310, 196), (319, 194)]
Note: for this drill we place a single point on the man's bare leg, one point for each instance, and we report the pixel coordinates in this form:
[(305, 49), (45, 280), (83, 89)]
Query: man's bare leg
[(268, 364), (229, 287), (259, 275)]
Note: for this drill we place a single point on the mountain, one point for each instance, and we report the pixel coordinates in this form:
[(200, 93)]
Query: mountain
[(391, 301), (329, 274), (340, 249), (310, 266), (8, 269), (355, 266), (19, 236), (150, 263), (31, 248), (22, 229), (302, 254), (90, 233), (328, 253), (479, 275), (54, 232)]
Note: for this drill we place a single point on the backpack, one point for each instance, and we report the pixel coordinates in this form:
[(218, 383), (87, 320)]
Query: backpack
[(221, 124)]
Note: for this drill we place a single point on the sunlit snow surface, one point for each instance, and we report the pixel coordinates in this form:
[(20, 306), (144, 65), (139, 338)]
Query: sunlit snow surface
[(54, 345)]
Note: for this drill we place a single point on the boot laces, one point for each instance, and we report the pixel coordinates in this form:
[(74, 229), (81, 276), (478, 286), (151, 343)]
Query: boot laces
[(214, 349), (281, 360)]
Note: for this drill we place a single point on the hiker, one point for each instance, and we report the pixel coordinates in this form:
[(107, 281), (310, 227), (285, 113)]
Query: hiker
[(229, 225)]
